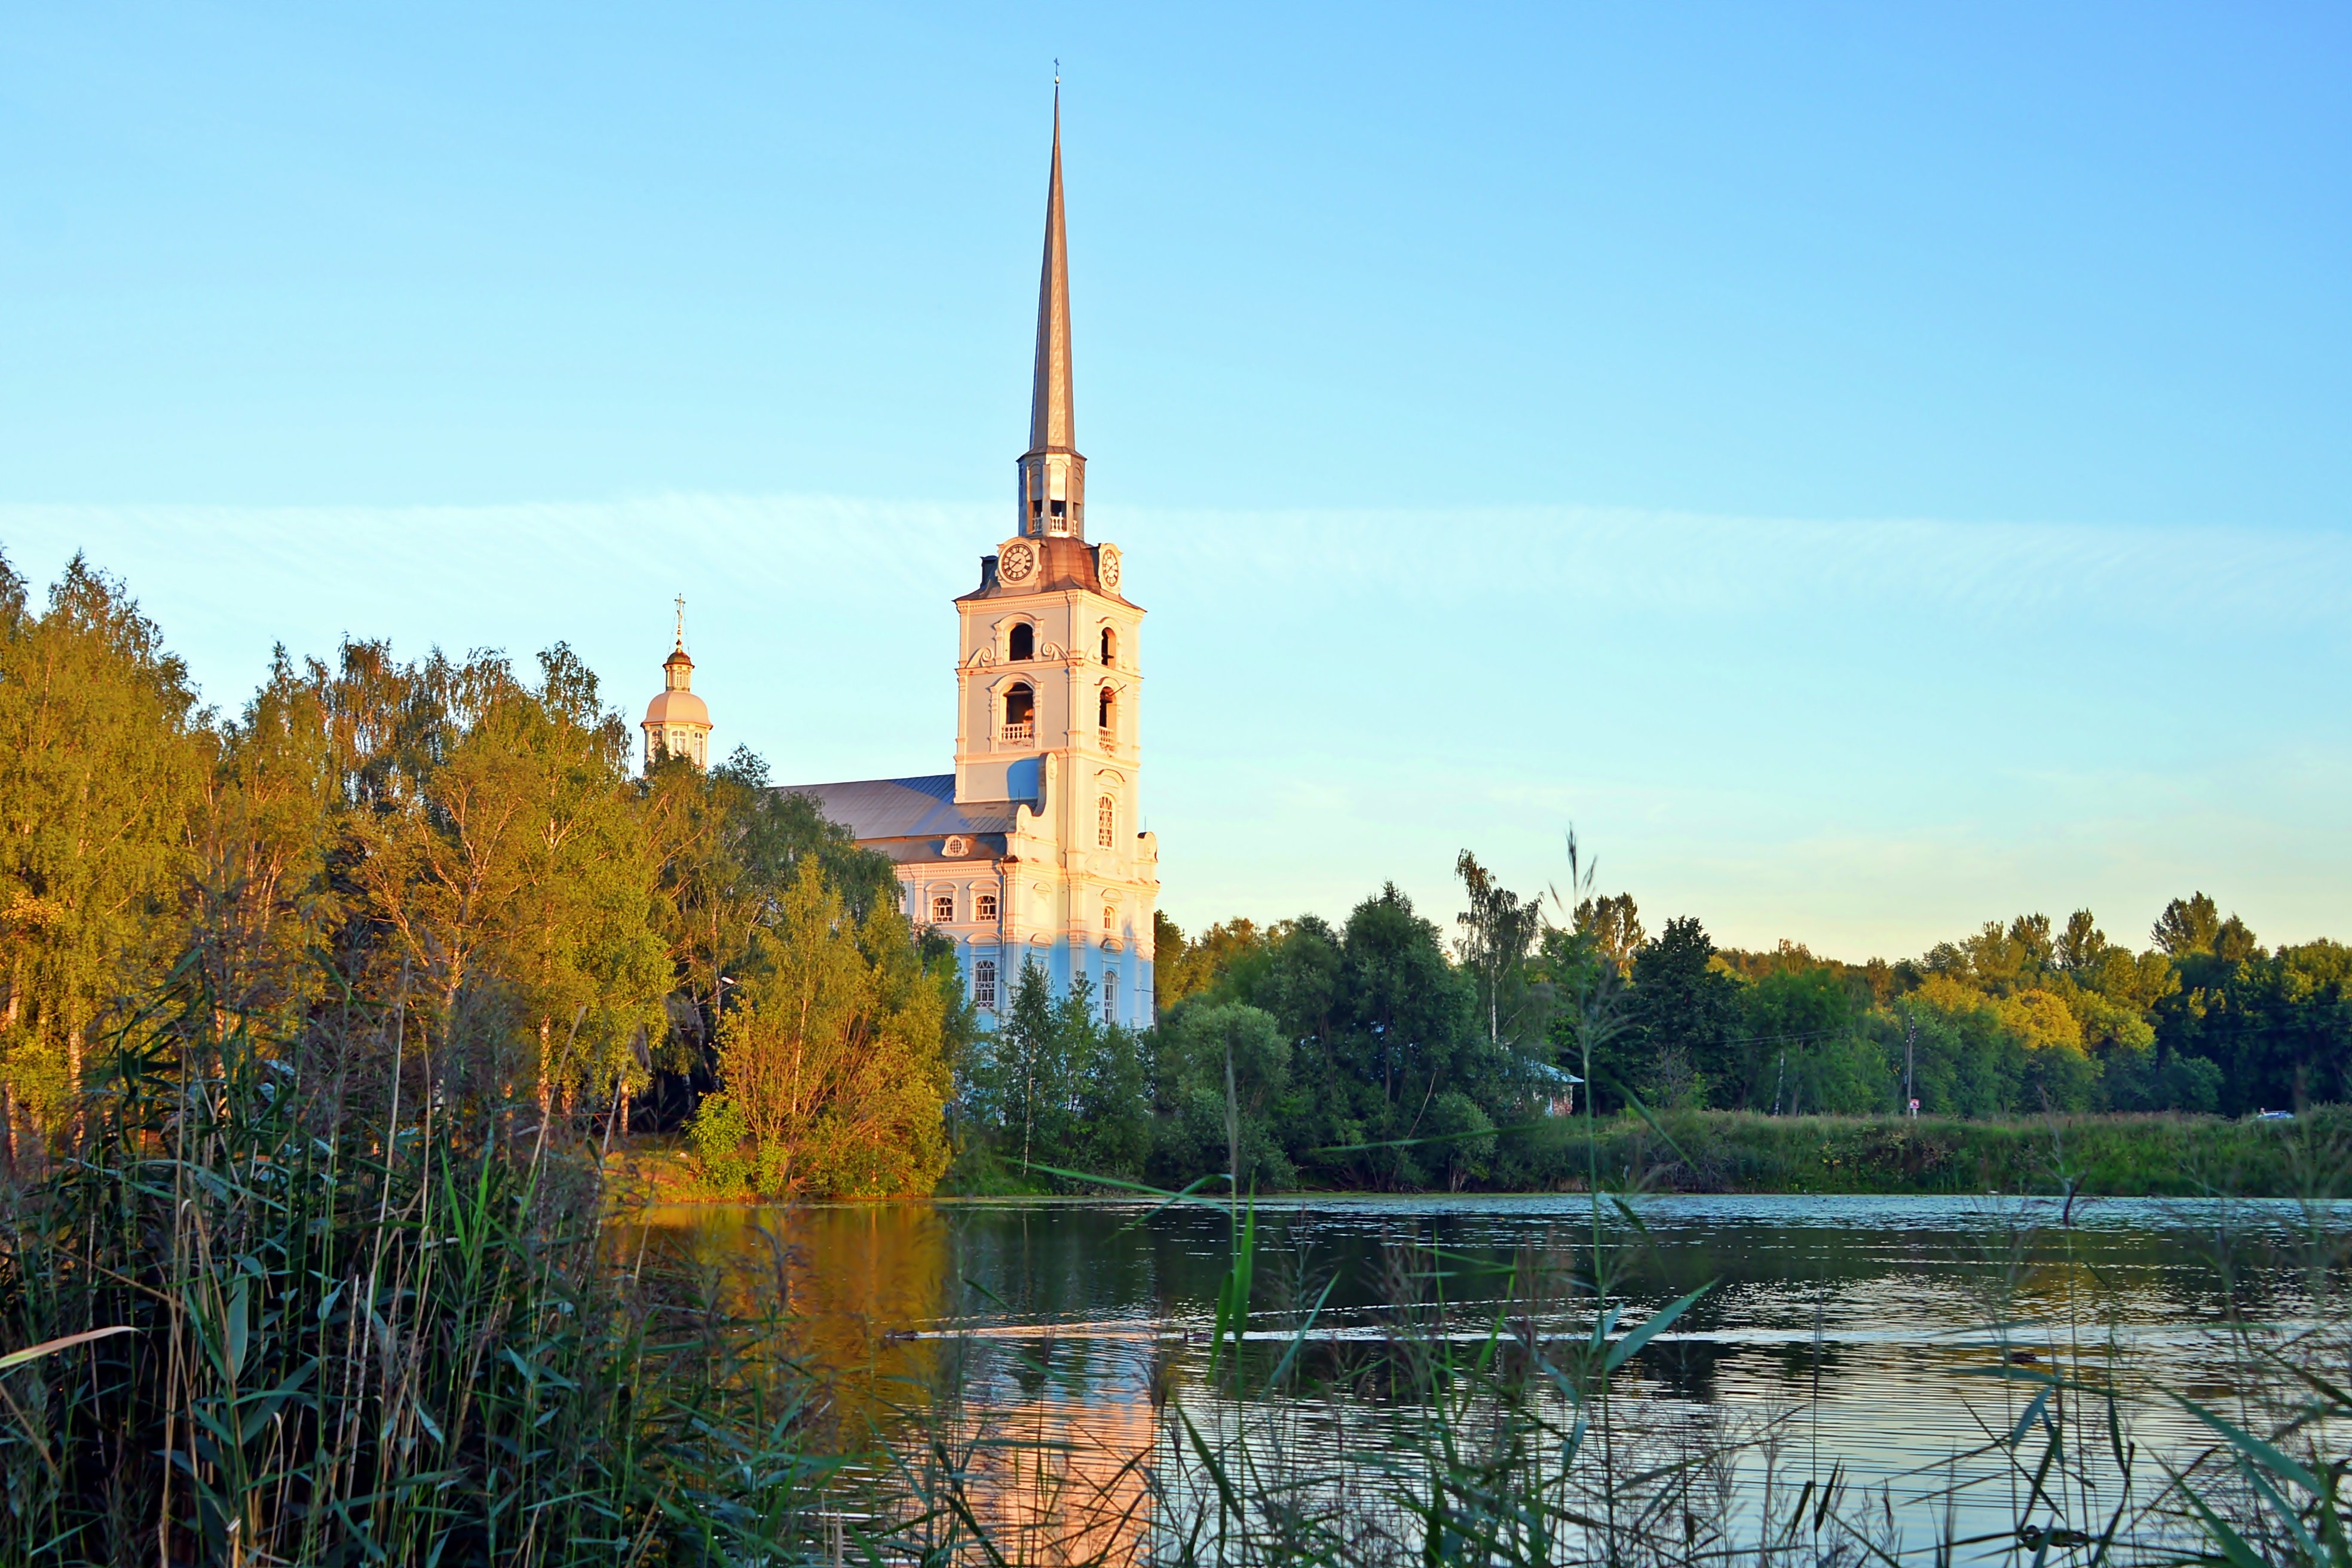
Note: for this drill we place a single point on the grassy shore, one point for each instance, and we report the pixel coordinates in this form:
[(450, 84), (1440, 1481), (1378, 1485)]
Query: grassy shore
[(2115, 1156), (1741, 1151)]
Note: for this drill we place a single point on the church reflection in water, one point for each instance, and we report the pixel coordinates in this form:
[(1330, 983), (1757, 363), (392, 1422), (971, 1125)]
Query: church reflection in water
[(1057, 1482), (1048, 1442)]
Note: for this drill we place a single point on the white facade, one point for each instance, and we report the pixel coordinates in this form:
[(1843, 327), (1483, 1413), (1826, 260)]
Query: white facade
[(1032, 850)]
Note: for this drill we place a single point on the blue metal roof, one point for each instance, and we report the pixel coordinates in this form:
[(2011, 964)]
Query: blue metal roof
[(921, 807)]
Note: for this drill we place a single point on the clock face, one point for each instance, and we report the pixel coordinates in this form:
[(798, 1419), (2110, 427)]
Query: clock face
[(1018, 562), (1107, 565)]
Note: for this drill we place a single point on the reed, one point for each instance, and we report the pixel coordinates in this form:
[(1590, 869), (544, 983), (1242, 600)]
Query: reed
[(2137, 1156), (321, 1300)]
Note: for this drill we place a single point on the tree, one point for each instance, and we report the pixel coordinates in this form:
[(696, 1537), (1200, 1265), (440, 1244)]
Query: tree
[(727, 847), (514, 874), (2276, 1027), (833, 1055), (1614, 926), (2192, 927), (1225, 1082), (1499, 928), (1685, 1014), (104, 761), (1802, 1046), (1182, 968), (1384, 1024), (265, 896)]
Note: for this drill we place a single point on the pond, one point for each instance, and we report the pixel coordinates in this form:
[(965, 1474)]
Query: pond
[(1892, 1344)]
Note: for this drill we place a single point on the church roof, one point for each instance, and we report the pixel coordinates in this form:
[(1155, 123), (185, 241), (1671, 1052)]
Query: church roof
[(1053, 423), (923, 807), (678, 708), (1062, 562)]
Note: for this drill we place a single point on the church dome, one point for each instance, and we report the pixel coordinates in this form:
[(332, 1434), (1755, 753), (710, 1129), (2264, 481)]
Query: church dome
[(680, 707), (677, 722)]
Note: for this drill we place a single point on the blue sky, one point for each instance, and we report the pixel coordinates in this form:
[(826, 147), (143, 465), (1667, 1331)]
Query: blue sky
[(1873, 469)]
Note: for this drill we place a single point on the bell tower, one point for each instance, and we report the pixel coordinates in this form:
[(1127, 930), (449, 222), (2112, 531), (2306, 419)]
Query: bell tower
[(1049, 678), (1032, 853)]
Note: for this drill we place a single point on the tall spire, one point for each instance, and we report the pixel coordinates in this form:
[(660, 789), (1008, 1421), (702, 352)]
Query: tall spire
[(1051, 427), (1053, 474)]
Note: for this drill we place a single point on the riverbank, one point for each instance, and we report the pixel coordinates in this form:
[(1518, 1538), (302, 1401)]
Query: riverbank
[(2115, 1156), (1740, 1152)]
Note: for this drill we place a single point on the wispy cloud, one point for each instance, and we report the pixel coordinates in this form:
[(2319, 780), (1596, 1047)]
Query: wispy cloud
[(1863, 733)]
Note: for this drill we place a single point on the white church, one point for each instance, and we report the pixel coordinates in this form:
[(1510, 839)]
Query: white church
[(1031, 851)]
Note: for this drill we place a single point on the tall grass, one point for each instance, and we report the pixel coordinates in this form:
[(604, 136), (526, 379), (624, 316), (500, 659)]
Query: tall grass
[(319, 1300), (1747, 1151)]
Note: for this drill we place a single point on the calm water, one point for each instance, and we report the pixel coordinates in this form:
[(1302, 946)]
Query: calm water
[(1863, 1326)]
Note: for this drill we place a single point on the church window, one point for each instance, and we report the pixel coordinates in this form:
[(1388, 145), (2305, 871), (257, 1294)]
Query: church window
[(984, 984), (1110, 995), (983, 907), (1109, 645), (1107, 712), (1020, 713), (943, 909), (1107, 822), (1111, 919), (1021, 643)]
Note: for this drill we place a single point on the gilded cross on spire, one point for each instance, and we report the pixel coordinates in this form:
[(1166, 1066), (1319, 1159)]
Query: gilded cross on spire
[(681, 621)]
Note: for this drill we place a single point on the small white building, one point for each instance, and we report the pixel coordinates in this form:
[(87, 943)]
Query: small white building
[(1031, 851)]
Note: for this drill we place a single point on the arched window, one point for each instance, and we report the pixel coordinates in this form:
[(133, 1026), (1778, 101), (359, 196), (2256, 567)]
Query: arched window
[(1109, 645), (984, 984), (1111, 919), (1106, 708), (1022, 642), (983, 907), (1020, 713), (943, 909), (1110, 995), (1107, 822)]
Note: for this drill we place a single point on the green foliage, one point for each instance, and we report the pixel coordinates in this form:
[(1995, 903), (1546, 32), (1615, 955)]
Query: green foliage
[(1499, 929), (1684, 1021), (832, 1052), (2102, 1154), (312, 1317), (1403, 1067), (1182, 968), (1054, 1087), (1197, 1044), (104, 761), (463, 844), (725, 1147)]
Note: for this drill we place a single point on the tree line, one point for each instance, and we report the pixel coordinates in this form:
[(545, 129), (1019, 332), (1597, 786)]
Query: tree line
[(469, 846), (466, 844), (1385, 1051)]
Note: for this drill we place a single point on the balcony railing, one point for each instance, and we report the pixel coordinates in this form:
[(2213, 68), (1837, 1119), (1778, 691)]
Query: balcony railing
[(1019, 734), (1109, 738)]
